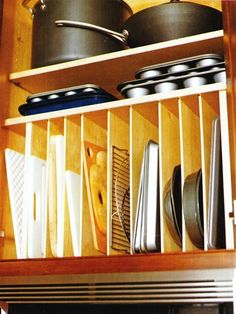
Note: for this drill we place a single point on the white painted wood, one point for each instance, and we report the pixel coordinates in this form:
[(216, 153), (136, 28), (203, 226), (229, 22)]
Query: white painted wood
[(73, 188), (60, 179), (36, 196), (227, 180), (116, 104)]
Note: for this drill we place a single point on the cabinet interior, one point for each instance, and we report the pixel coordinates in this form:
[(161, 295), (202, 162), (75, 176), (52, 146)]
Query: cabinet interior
[(180, 122)]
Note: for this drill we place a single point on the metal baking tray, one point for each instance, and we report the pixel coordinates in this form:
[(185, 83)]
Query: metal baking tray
[(147, 223), (216, 219), (71, 97)]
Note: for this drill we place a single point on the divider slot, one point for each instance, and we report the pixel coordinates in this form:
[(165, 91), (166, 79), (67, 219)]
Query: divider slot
[(209, 111), (190, 152), (143, 128), (35, 191), (169, 140), (73, 178), (57, 245), (95, 192), (119, 191), (11, 201)]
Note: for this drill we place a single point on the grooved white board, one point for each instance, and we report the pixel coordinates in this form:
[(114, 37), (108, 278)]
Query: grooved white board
[(15, 163)]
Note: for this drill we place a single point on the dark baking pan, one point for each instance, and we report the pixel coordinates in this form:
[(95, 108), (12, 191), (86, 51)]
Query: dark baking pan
[(72, 97), (181, 65), (142, 87), (193, 208), (173, 205), (216, 219)]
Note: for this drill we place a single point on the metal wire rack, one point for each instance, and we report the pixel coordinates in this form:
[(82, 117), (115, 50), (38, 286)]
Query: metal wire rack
[(120, 219)]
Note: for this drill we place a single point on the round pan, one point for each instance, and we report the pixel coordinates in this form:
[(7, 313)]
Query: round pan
[(171, 20), (193, 208), (177, 198), (168, 209), (173, 205)]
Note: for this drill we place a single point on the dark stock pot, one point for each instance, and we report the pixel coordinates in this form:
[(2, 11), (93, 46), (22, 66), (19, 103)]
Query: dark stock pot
[(167, 21), (51, 44)]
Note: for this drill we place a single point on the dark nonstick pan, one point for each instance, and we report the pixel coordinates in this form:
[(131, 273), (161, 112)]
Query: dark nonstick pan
[(193, 208), (173, 205), (159, 23)]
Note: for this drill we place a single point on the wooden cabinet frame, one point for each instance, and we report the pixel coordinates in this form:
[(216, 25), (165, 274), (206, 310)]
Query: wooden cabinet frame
[(17, 83)]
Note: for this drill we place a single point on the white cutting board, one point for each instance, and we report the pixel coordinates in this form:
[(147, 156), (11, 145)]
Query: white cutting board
[(36, 206), (15, 163), (73, 187)]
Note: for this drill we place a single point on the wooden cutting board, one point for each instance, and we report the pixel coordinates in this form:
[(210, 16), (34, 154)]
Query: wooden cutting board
[(95, 169)]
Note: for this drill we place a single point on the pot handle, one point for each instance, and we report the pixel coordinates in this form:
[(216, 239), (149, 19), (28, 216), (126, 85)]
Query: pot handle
[(25, 5), (119, 36)]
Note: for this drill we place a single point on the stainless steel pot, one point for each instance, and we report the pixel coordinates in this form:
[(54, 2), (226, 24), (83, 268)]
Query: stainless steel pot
[(51, 44)]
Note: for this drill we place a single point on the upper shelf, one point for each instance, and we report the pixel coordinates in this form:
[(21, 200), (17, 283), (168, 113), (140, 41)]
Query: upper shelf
[(110, 69)]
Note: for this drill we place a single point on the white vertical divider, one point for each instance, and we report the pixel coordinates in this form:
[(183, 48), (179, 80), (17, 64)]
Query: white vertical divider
[(47, 227), (182, 174), (109, 184), (203, 159), (227, 180), (51, 197), (72, 133), (161, 187), (83, 183), (81, 187), (131, 179), (28, 148)]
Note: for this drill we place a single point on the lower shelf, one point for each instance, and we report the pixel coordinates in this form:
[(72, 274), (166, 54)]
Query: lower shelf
[(157, 278)]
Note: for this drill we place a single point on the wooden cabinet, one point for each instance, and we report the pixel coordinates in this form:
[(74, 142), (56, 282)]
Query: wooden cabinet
[(180, 121)]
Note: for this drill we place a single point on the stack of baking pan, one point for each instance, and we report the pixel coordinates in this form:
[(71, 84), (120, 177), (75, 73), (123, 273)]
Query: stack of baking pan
[(190, 202), (147, 222), (76, 96), (173, 75)]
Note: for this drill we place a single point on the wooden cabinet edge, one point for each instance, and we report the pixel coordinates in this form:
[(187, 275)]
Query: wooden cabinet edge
[(120, 264), (115, 104)]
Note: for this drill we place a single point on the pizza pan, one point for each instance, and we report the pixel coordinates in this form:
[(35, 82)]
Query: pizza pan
[(173, 205), (193, 208)]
